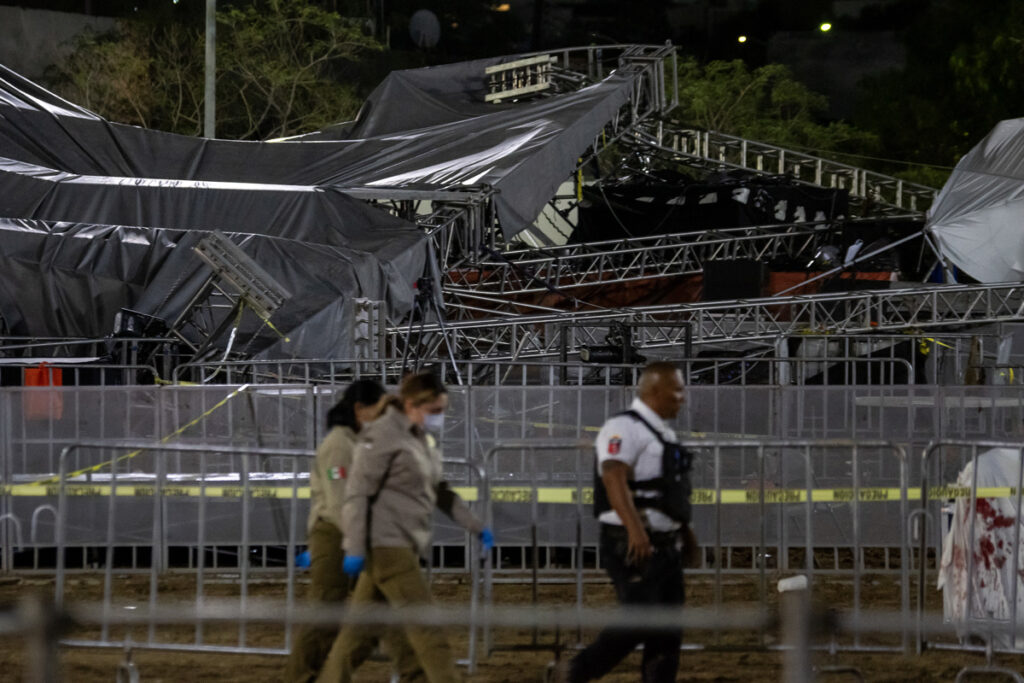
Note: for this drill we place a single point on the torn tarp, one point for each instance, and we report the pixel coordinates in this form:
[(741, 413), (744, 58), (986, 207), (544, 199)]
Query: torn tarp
[(70, 279), (424, 129), (98, 216)]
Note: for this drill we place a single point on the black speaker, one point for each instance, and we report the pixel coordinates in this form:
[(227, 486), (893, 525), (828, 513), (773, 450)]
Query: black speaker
[(733, 279)]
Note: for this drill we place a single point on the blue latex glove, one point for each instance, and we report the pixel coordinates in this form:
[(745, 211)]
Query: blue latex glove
[(487, 538), (353, 564), (303, 559)]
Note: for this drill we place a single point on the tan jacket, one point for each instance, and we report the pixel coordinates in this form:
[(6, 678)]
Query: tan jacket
[(393, 487), (328, 475)]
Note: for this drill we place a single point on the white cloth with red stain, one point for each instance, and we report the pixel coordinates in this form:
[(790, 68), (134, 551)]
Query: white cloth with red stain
[(988, 570)]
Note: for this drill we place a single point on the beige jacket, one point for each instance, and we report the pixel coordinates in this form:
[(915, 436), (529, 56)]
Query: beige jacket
[(328, 475), (393, 487)]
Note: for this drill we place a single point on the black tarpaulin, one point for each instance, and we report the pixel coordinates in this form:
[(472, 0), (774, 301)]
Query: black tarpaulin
[(422, 129), (97, 217), (70, 279)]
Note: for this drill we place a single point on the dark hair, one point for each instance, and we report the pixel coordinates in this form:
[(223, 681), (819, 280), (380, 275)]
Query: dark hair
[(343, 414)]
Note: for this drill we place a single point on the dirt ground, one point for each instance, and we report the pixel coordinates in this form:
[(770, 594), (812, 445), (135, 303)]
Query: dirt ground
[(709, 657)]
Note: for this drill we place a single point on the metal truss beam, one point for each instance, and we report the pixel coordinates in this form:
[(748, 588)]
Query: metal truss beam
[(527, 271), (552, 335), (710, 150)]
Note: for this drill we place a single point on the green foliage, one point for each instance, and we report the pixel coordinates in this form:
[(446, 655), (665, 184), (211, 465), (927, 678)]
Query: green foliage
[(964, 72), (275, 61), (766, 104)]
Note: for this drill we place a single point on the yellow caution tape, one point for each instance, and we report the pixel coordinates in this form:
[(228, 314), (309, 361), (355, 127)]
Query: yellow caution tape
[(129, 456), (266, 321), (936, 341), (579, 180), (512, 494)]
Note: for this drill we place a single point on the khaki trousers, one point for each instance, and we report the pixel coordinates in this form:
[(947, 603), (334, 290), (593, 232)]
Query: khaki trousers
[(393, 575), (327, 584)]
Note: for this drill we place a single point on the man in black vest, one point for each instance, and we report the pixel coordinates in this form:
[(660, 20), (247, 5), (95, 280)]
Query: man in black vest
[(645, 531)]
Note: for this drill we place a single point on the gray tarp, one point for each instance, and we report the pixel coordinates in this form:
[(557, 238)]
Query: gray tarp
[(422, 129), (69, 279), (976, 219), (98, 227), (101, 193)]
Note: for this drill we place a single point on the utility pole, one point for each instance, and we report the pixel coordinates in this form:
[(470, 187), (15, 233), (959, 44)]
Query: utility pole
[(210, 89)]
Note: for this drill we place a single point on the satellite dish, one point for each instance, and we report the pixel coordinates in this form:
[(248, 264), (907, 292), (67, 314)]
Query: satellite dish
[(424, 28)]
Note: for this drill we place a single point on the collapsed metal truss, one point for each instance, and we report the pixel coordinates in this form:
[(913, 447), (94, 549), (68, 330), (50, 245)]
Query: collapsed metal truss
[(487, 284), (556, 335), (709, 150), (472, 228), (527, 271)]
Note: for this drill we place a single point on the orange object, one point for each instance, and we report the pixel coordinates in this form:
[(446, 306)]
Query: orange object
[(40, 404)]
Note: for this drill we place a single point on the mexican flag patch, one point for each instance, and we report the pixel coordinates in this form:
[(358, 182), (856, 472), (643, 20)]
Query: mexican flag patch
[(336, 473)]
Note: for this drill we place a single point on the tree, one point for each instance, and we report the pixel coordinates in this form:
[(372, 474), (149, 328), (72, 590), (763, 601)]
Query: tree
[(275, 61), (765, 104), (963, 74)]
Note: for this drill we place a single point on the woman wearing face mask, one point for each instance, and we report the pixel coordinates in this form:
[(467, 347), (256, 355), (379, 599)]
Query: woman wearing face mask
[(393, 488), (327, 478)]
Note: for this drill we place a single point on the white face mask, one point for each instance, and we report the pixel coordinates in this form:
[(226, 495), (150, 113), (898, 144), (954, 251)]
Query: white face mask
[(434, 423)]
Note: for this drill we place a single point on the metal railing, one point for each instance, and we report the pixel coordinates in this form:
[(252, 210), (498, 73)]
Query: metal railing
[(795, 486), (42, 625), (717, 150), (85, 374), (805, 491), (945, 358), (529, 271), (534, 336), (249, 491), (977, 612)]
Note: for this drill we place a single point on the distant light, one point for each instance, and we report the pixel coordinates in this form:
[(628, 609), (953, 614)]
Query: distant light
[(455, 24), (741, 39), (825, 27), (503, 7)]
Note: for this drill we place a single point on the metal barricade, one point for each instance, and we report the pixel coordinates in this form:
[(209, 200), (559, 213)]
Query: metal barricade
[(750, 369), (983, 613), (797, 486), (86, 374), (244, 489), (767, 473), (251, 483), (534, 494)]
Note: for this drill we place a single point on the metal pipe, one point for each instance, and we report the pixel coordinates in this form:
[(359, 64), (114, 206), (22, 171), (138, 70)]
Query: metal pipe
[(210, 72)]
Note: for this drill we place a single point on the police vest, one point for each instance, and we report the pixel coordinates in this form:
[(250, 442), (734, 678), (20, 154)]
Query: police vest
[(672, 488)]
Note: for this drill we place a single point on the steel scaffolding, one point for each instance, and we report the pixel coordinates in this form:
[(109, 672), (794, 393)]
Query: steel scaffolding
[(555, 334)]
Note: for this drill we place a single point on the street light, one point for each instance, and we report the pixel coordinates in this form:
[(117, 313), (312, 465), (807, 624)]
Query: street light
[(825, 27)]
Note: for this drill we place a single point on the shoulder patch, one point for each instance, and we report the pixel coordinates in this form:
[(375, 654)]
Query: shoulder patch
[(336, 473), (614, 445)]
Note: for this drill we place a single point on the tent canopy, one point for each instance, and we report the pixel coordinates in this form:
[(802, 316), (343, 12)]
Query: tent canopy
[(978, 216), (95, 217), (422, 129)]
